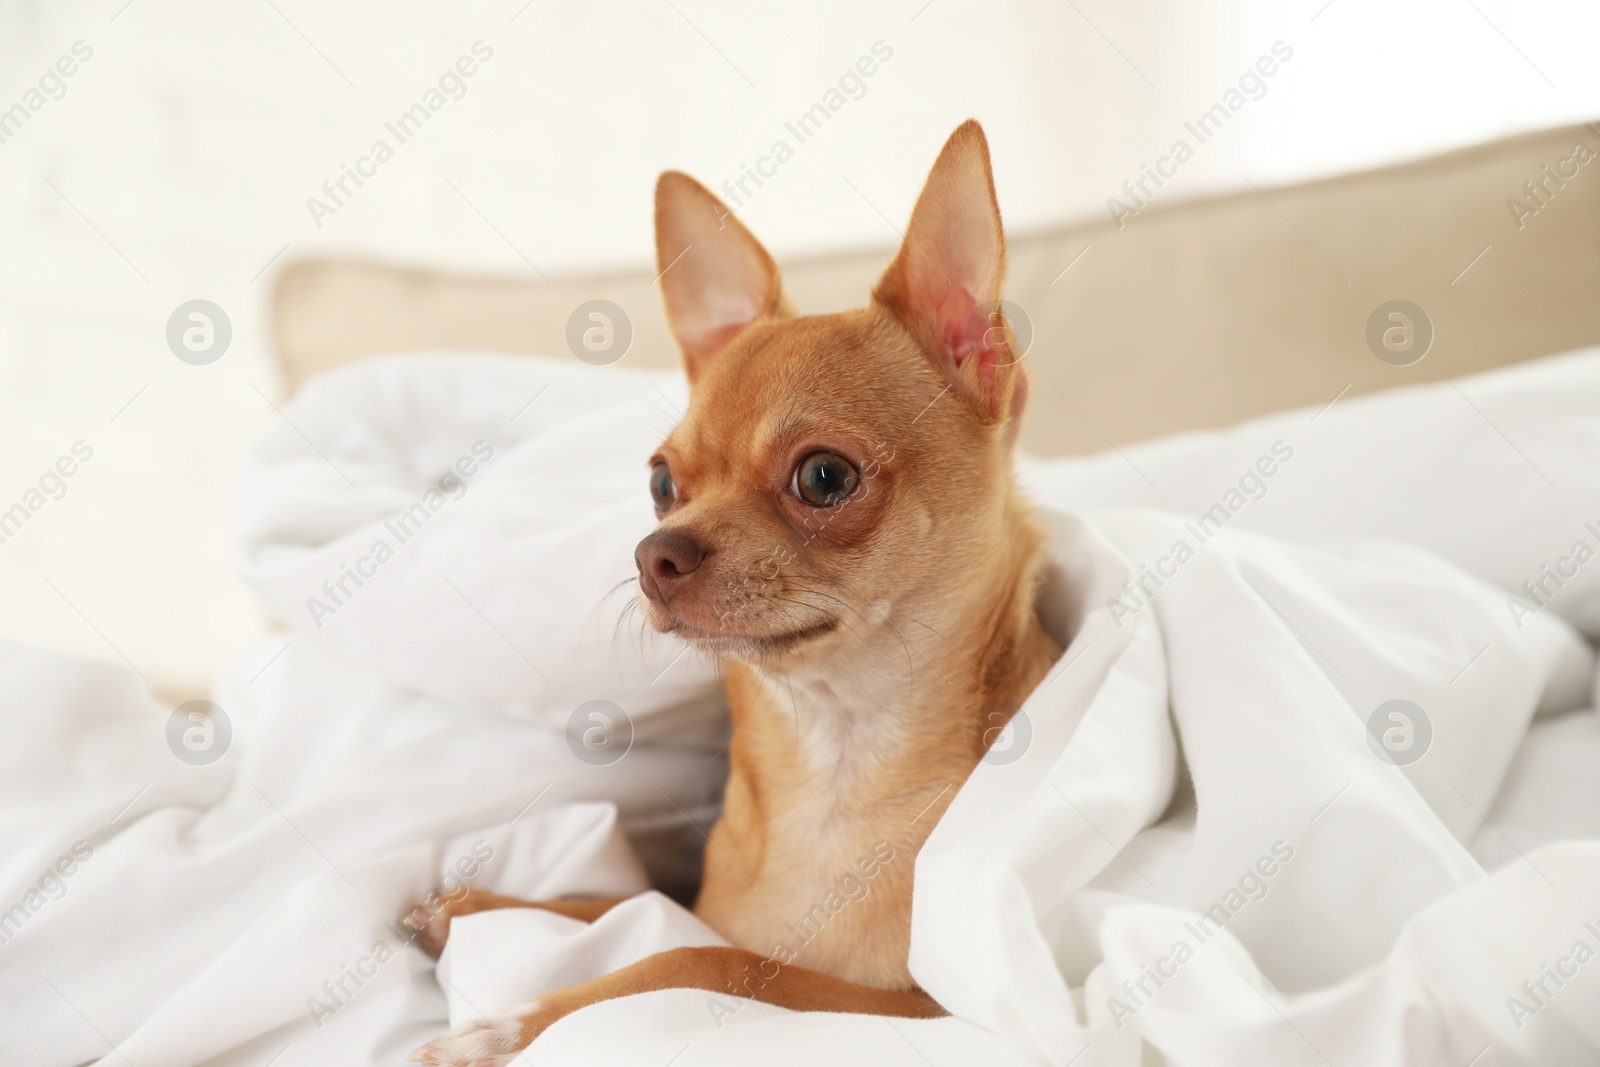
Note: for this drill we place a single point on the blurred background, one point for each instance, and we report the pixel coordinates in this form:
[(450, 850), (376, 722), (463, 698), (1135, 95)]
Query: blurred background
[(176, 161)]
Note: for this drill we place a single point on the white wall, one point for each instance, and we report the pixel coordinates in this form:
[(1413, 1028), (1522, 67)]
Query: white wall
[(194, 135)]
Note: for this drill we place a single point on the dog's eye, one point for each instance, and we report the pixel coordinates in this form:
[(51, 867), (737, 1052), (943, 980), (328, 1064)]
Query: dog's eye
[(824, 479), (661, 488)]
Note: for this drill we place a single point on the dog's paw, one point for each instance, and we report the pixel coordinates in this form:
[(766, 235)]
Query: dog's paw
[(491, 1042), (432, 927), (431, 919)]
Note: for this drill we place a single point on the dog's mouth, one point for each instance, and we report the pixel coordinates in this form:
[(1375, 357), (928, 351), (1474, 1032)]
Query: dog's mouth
[(750, 644)]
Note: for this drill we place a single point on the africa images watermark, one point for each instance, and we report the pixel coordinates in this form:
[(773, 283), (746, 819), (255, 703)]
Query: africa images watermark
[(1543, 187), (1537, 992), (1538, 592), (852, 888), (52, 885), (1137, 592), (1252, 886), (52, 485), (1203, 128), (402, 527), (340, 990), (852, 85), (52, 85), (452, 85)]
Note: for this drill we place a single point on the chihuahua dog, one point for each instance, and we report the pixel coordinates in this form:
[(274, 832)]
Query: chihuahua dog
[(841, 528)]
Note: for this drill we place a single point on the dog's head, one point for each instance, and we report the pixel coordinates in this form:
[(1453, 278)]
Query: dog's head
[(834, 474)]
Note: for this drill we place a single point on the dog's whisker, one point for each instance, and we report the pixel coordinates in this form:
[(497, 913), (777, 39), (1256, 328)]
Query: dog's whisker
[(813, 607), (629, 610), (848, 608), (842, 620), (925, 626)]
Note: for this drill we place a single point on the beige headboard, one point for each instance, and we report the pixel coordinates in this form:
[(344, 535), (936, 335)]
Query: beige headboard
[(1190, 316)]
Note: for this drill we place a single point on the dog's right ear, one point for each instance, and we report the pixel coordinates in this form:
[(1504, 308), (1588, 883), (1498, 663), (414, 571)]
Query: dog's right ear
[(716, 278)]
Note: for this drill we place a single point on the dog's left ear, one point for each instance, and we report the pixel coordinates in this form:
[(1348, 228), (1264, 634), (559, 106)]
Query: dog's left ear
[(945, 283)]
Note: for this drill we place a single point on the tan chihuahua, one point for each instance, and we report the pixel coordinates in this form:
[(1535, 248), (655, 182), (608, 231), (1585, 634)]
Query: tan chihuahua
[(840, 526)]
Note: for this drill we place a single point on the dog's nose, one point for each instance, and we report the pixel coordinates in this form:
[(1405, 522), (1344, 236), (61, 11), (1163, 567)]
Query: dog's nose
[(665, 558)]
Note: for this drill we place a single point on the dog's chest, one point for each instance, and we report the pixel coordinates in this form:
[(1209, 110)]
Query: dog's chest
[(812, 862), (829, 890)]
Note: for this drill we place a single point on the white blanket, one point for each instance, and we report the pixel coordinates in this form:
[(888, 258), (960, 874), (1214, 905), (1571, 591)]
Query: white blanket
[(1191, 848)]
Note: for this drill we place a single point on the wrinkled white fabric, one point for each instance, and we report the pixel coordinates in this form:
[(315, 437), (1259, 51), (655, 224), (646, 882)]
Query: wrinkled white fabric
[(1201, 747)]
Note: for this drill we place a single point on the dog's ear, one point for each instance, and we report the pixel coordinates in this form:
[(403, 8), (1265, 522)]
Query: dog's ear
[(945, 283), (716, 278)]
